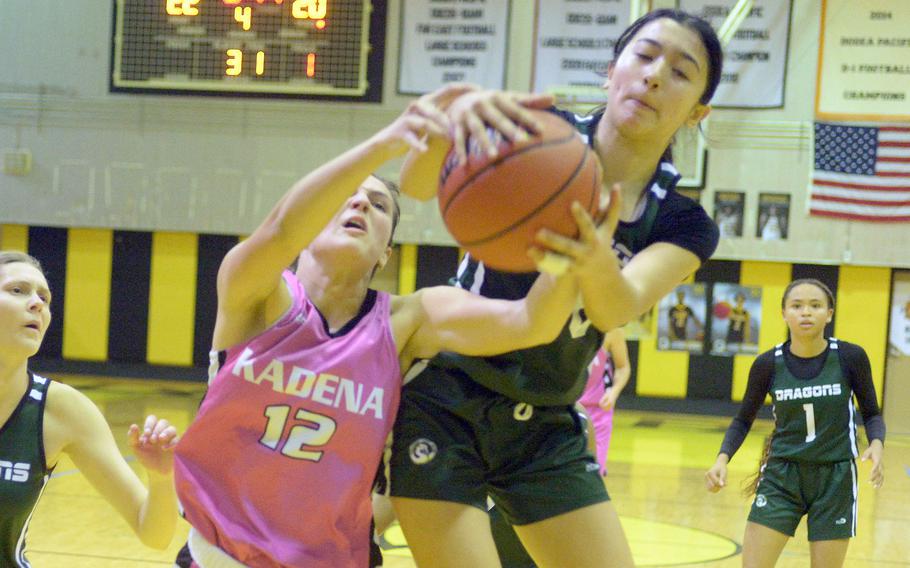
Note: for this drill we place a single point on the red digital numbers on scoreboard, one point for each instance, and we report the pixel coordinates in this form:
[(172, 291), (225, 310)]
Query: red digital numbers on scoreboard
[(305, 48)]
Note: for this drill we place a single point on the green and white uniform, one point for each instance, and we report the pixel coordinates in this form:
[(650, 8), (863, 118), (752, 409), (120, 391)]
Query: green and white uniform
[(23, 470), (814, 419), (505, 426), (810, 469)]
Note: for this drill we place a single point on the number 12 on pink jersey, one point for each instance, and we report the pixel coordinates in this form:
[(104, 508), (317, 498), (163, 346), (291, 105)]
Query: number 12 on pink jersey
[(316, 431)]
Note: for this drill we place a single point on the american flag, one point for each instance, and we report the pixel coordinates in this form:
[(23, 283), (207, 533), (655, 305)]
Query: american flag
[(861, 172)]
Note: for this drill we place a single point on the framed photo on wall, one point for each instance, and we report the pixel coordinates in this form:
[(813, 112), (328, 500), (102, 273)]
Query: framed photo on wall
[(728, 213), (735, 319), (681, 319), (773, 216)]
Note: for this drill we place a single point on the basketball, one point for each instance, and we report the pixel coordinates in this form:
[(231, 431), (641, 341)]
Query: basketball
[(493, 207), (721, 310)]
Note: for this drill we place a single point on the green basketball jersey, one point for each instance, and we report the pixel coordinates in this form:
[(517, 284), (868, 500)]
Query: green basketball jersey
[(23, 470), (814, 419), (556, 374)]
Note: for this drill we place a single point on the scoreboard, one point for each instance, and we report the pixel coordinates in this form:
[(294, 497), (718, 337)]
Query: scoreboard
[(321, 49)]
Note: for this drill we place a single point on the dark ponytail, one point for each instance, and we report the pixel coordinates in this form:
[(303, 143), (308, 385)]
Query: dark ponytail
[(750, 484)]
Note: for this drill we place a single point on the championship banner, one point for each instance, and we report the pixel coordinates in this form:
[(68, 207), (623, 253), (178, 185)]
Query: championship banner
[(864, 61), (446, 41), (573, 44), (755, 60)]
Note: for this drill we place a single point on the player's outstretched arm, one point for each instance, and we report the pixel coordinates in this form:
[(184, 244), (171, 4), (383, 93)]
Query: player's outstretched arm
[(635, 288), (251, 270), (445, 318), (76, 426)]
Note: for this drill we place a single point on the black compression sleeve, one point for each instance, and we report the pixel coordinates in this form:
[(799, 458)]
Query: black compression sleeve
[(857, 366), (875, 429), (760, 376), (733, 439)]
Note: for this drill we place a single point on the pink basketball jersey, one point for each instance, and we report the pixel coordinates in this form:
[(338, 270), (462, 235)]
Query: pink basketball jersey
[(595, 389), (278, 465)]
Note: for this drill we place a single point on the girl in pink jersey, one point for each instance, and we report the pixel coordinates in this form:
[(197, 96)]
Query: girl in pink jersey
[(608, 375), (276, 469)]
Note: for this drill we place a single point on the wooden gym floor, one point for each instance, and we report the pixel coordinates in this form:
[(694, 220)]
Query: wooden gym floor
[(656, 467)]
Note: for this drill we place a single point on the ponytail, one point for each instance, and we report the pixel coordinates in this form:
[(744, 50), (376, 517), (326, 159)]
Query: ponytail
[(750, 484)]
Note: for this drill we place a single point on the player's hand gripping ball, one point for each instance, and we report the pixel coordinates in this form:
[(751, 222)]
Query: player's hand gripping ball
[(493, 207)]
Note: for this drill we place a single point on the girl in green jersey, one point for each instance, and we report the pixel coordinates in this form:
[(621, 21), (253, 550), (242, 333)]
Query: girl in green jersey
[(41, 420), (808, 467)]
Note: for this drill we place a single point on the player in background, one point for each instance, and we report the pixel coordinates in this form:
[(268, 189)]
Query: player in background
[(808, 467), (608, 375), (42, 420)]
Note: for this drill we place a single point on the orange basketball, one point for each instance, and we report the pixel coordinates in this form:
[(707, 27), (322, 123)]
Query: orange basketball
[(494, 207)]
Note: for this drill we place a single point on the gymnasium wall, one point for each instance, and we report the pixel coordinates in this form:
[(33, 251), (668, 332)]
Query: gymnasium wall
[(142, 303), (112, 173), (216, 164)]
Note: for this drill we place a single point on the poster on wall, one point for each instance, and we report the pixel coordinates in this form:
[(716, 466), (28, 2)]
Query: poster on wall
[(728, 213), (863, 67), (680, 320), (755, 60), (773, 216), (446, 41), (899, 331), (735, 319), (573, 44)]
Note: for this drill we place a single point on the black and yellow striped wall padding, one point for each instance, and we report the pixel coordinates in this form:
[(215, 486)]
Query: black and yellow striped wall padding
[(147, 300), (126, 297)]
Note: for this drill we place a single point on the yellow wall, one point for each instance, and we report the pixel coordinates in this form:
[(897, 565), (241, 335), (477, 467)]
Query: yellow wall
[(172, 299), (863, 298), (863, 301), (14, 237), (88, 294)]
